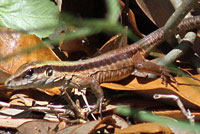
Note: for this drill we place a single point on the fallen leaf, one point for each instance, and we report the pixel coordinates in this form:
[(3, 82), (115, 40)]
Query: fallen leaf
[(176, 114), (157, 11), (5, 93), (92, 126), (145, 128), (4, 75), (85, 128), (37, 127), (12, 41), (128, 18), (188, 89), (13, 123), (117, 41)]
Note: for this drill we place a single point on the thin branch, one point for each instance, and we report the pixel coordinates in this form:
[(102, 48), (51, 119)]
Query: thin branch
[(178, 51), (48, 108), (187, 112), (176, 18), (86, 102), (195, 59), (176, 3)]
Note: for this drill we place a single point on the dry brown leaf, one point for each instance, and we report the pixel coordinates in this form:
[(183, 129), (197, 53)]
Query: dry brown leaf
[(52, 91), (12, 41), (75, 45), (128, 18), (176, 114), (145, 128), (4, 75), (188, 90), (4, 93), (85, 128), (109, 45), (37, 127), (30, 97), (108, 122), (157, 11), (13, 123), (61, 125), (119, 121), (117, 41)]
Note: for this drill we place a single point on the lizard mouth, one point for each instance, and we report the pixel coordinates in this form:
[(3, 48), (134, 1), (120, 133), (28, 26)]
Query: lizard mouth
[(8, 84), (14, 85)]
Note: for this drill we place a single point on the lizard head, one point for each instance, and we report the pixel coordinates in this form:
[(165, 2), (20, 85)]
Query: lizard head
[(34, 74)]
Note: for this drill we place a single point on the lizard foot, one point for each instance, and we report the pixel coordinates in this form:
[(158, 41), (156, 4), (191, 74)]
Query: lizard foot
[(166, 77)]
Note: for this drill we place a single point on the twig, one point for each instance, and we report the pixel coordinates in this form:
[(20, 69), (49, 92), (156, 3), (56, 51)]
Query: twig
[(169, 29), (58, 109), (86, 102), (195, 59), (176, 18), (175, 3), (187, 112), (178, 51)]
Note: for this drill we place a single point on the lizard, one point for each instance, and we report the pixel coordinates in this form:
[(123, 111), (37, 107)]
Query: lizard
[(114, 65)]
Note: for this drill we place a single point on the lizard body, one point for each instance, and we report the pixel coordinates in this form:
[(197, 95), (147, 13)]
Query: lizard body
[(111, 66)]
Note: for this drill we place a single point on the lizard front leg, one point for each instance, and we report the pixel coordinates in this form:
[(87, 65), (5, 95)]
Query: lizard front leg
[(94, 87), (143, 65), (71, 102)]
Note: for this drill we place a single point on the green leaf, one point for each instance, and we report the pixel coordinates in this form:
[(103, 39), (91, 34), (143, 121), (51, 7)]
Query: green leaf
[(147, 116), (113, 10), (39, 17)]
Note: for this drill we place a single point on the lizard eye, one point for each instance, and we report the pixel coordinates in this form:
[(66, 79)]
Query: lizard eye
[(49, 71), (29, 73)]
